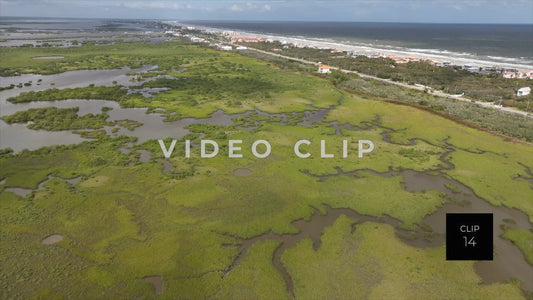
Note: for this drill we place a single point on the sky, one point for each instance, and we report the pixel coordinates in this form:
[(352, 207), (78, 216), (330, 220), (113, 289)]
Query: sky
[(426, 11)]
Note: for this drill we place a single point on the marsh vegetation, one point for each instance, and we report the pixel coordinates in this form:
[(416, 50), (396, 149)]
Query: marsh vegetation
[(212, 228)]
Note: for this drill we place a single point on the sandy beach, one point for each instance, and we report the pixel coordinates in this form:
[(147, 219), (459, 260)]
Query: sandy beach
[(437, 55)]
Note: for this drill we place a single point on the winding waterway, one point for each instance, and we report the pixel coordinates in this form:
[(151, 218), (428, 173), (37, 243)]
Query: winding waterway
[(508, 261)]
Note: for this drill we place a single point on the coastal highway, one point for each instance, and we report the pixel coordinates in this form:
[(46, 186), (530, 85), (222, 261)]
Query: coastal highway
[(408, 86)]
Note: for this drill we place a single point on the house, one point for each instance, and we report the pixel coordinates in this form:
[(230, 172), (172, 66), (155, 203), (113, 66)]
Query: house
[(526, 73), (411, 58), (397, 60), (195, 39), (247, 39), (444, 64), (523, 91), (324, 69), (226, 48), (509, 75), (471, 68)]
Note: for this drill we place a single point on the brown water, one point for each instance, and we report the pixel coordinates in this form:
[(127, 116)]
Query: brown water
[(167, 165), (153, 125), (156, 281), (144, 155), (242, 172), (18, 191), (23, 192), (313, 117), (509, 262), (52, 239), (10, 135), (312, 229), (48, 57)]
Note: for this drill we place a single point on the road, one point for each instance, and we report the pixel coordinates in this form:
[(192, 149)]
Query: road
[(413, 87)]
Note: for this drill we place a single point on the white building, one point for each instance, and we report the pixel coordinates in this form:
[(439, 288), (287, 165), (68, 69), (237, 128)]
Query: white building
[(324, 69), (509, 75), (226, 48), (526, 73), (197, 39), (523, 91)]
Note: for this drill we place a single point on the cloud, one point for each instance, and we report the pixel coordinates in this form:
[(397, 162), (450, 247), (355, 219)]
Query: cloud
[(236, 7), (163, 4), (154, 4), (251, 6), (454, 11)]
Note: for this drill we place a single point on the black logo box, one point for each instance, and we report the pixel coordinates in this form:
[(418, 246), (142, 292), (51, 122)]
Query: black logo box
[(469, 236)]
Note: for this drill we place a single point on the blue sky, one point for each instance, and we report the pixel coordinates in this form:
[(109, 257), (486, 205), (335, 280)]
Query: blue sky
[(433, 11)]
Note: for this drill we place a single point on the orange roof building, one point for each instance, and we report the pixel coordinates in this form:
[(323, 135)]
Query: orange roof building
[(324, 69)]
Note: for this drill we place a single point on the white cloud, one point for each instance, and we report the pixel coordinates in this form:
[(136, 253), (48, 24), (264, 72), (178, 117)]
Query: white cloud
[(510, 11), (152, 4), (251, 6), (236, 7)]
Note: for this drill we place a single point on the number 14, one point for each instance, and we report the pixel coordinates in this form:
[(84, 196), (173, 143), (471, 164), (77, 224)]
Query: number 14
[(469, 242)]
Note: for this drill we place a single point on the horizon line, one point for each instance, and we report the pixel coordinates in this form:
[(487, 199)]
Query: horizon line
[(263, 21)]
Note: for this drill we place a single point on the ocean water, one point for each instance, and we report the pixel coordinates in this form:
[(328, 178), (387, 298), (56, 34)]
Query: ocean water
[(492, 42)]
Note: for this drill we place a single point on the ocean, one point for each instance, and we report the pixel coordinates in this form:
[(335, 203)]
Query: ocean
[(487, 42), (511, 45)]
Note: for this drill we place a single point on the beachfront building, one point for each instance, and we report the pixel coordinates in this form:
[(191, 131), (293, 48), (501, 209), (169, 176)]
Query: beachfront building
[(324, 69), (229, 33), (509, 75), (352, 53), (526, 74), (411, 59), (471, 68), (522, 74), (247, 39), (523, 91), (195, 39)]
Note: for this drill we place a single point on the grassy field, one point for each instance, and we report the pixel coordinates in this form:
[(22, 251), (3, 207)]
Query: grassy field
[(452, 80), (488, 118), (126, 219), (201, 81), (371, 263)]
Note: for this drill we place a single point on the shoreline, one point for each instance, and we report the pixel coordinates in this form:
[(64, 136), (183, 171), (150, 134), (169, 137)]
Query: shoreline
[(421, 53)]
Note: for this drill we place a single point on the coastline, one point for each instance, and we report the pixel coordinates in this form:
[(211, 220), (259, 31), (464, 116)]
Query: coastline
[(438, 55)]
